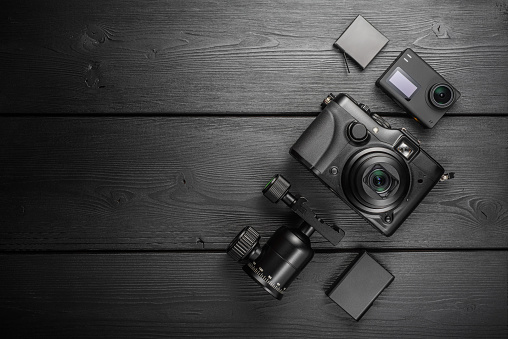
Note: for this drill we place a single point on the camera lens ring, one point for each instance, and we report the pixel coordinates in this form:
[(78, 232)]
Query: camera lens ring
[(363, 197), (441, 95)]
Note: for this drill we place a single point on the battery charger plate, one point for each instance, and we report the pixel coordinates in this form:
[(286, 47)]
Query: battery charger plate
[(360, 285), (361, 41)]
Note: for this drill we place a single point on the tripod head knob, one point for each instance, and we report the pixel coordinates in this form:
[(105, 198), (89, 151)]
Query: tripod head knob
[(243, 244), (276, 188)]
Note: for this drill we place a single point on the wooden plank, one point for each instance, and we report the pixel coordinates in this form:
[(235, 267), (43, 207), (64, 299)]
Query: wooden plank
[(443, 294), (231, 56), (166, 183)]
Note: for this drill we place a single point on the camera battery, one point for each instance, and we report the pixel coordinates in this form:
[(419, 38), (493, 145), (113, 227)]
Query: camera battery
[(361, 41), (360, 285)]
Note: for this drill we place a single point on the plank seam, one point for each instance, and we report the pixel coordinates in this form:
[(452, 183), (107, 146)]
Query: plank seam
[(210, 115), (213, 251)]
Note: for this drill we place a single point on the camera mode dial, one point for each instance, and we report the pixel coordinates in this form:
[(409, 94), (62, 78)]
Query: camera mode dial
[(380, 121)]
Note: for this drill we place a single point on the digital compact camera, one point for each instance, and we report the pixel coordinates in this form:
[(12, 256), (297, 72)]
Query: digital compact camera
[(380, 172), (418, 88)]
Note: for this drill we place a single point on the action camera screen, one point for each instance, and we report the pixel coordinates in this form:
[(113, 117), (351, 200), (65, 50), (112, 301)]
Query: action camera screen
[(403, 82)]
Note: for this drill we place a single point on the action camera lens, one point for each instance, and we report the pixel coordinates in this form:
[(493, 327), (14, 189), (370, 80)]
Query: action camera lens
[(379, 180), (441, 95)]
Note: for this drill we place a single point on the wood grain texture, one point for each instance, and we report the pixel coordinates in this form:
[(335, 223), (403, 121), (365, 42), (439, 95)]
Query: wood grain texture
[(440, 294), (165, 183), (235, 56)]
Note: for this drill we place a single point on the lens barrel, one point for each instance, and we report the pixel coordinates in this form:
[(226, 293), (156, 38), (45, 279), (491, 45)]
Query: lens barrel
[(375, 180)]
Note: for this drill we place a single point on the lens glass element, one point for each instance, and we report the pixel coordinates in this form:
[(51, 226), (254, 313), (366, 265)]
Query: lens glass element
[(441, 95), (379, 180)]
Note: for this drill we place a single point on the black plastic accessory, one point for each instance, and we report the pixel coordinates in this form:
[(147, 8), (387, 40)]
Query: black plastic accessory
[(275, 265), (361, 41), (360, 285)]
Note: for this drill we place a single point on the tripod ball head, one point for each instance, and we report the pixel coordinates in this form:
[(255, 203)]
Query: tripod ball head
[(275, 265)]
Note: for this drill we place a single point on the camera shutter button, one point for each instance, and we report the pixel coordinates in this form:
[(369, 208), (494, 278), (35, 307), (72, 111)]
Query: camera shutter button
[(357, 132)]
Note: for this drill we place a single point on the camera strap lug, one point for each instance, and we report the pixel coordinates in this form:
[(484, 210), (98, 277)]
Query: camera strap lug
[(447, 176), (327, 100), (412, 137)]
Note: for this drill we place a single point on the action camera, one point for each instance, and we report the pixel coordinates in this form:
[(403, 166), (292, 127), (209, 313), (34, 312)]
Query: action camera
[(380, 172), (275, 265), (418, 88)]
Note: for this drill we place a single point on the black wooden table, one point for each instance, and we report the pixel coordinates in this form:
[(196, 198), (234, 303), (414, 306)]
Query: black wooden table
[(136, 137)]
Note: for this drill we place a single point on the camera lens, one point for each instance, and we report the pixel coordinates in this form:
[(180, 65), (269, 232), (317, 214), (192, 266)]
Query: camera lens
[(379, 181), (375, 180), (441, 95)]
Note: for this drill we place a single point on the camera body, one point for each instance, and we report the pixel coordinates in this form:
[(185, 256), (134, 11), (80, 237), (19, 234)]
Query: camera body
[(418, 88), (381, 173)]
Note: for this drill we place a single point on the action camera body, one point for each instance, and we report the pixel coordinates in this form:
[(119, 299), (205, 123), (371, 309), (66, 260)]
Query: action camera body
[(418, 88), (381, 173)]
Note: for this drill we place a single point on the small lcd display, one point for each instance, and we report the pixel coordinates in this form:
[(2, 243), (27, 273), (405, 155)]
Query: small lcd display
[(403, 82)]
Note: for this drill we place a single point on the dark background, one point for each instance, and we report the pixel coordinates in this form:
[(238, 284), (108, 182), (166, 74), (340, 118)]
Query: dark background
[(136, 137)]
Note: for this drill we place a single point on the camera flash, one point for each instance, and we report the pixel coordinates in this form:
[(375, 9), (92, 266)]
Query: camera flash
[(405, 150)]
